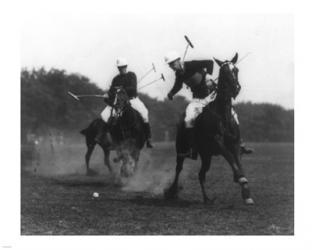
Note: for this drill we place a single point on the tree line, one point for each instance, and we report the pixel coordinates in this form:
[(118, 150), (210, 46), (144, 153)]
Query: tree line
[(45, 104)]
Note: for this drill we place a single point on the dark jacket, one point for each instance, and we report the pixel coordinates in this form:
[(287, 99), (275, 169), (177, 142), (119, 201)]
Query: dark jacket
[(128, 81), (193, 75)]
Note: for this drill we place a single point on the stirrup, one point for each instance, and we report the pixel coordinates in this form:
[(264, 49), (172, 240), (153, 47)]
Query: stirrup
[(149, 144)]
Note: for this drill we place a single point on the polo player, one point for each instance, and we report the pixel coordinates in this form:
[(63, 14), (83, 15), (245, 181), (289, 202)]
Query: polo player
[(128, 81), (195, 74)]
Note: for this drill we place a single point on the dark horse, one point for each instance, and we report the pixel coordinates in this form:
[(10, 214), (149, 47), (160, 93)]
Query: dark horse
[(123, 133), (216, 133)]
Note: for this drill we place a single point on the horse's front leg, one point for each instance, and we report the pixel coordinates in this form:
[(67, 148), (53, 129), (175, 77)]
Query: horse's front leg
[(136, 156), (107, 159), (206, 160), (242, 180), (237, 170), (118, 157), (234, 150), (172, 191)]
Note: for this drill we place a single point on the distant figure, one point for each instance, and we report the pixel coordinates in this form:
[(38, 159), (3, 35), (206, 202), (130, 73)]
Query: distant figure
[(128, 81), (195, 74)]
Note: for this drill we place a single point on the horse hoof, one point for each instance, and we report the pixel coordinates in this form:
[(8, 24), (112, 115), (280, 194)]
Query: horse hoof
[(235, 179), (117, 181), (209, 202), (91, 172), (169, 194), (249, 201)]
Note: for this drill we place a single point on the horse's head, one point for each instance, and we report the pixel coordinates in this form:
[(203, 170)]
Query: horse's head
[(121, 100), (228, 84)]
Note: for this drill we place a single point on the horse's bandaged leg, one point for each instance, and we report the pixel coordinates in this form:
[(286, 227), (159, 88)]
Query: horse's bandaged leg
[(235, 116), (242, 180), (106, 113), (139, 106), (192, 111)]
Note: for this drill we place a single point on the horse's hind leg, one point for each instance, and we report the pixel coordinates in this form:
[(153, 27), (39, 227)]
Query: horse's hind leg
[(206, 160), (88, 156), (173, 189), (107, 159)]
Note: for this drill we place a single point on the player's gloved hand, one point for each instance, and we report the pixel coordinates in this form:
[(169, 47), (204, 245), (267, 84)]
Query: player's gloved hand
[(211, 97), (105, 98)]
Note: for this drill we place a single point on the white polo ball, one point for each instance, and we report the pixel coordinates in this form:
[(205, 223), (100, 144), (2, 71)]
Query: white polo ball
[(96, 195)]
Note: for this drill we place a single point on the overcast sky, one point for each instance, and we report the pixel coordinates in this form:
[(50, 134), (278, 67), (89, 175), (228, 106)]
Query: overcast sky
[(89, 43)]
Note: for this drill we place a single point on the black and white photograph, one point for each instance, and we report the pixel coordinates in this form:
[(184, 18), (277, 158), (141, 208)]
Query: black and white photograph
[(155, 122), (144, 125)]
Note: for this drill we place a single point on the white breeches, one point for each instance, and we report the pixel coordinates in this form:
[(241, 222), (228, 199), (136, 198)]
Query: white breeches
[(136, 103), (195, 107), (139, 106), (106, 113)]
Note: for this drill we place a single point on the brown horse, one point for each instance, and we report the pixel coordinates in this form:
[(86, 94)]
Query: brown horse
[(216, 133), (125, 128)]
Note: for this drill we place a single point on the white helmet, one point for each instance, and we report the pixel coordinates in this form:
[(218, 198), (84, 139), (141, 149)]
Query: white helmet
[(171, 57), (121, 62)]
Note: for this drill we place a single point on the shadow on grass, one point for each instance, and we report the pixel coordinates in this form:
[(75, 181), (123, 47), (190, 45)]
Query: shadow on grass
[(161, 202), (83, 181), (79, 184), (218, 205)]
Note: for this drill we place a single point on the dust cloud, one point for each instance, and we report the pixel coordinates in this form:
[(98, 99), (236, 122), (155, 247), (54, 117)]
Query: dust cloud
[(151, 176), (51, 157)]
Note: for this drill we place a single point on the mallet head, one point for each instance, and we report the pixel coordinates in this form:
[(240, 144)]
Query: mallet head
[(163, 78), (153, 65), (189, 42), (73, 95)]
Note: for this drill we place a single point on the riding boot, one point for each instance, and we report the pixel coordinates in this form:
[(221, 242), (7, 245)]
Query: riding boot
[(190, 136), (148, 135), (244, 149)]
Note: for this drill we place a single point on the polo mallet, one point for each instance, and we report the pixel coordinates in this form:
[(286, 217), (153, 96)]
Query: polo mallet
[(189, 44), (73, 96), (79, 96), (76, 97), (156, 80), (148, 72), (247, 54)]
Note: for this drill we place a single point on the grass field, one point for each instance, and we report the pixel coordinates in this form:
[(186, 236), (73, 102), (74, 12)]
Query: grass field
[(61, 203)]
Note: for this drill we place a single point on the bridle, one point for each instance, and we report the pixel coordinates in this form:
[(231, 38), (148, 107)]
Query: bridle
[(233, 86), (119, 104)]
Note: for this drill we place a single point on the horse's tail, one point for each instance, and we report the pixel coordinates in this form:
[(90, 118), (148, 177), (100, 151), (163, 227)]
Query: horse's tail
[(92, 128), (84, 131)]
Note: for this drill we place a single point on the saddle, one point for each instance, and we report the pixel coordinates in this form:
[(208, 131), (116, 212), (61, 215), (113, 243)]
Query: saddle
[(226, 127)]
